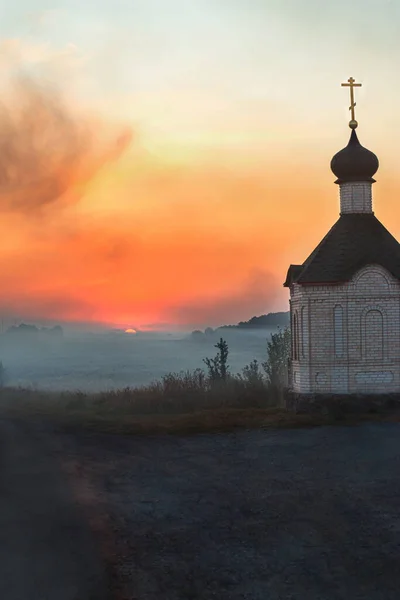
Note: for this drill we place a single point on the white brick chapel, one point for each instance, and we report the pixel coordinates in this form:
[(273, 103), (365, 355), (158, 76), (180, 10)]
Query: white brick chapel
[(345, 297)]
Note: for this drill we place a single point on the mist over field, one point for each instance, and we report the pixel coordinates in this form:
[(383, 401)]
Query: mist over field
[(105, 360)]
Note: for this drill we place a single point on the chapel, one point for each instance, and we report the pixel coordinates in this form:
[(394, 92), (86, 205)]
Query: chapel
[(345, 297)]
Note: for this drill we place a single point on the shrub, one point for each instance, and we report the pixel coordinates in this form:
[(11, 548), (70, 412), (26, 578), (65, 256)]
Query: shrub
[(252, 375), (276, 365), (218, 368), (251, 387)]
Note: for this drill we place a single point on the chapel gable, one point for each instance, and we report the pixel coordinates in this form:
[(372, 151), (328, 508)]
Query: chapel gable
[(373, 280)]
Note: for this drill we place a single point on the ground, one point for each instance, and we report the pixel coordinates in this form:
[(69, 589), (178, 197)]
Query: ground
[(296, 514), (48, 551)]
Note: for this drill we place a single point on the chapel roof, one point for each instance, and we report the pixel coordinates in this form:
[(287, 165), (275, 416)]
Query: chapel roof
[(354, 241)]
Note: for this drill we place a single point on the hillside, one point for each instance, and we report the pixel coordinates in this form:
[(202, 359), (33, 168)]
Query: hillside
[(279, 319)]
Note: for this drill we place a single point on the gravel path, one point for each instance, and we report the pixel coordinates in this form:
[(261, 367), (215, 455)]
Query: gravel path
[(310, 514)]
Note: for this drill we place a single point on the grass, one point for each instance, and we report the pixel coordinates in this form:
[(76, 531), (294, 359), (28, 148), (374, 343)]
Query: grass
[(155, 410)]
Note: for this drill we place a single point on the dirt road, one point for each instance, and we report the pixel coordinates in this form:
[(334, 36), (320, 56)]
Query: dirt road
[(47, 551)]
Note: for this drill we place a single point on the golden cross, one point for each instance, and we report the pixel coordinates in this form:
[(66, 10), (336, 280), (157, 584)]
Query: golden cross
[(351, 84)]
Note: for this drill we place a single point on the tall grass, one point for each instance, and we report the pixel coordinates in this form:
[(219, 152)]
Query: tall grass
[(176, 393), (184, 392)]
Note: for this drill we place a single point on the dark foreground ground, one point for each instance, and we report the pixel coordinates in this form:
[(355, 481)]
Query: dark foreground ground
[(47, 551), (306, 514)]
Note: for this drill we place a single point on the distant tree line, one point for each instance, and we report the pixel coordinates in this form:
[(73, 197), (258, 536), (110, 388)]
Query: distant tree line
[(278, 319), (23, 328), (269, 321)]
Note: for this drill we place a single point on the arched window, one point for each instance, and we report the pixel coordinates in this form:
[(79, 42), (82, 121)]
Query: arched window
[(295, 336), (302, 330), (374, 338), (338, 331)]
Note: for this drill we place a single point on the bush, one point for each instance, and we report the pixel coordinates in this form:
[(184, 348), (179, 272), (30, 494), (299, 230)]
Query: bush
[(218, 368), (276, 365), (252, 375)]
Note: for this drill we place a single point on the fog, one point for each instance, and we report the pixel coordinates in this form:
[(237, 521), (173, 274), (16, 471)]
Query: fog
[(105, 361)]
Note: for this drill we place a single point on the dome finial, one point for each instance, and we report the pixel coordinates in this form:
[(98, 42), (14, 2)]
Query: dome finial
[(352, 84)]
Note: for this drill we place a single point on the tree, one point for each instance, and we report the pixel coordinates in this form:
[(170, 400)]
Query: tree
[(276, 366), (218, 366), (197, 334)]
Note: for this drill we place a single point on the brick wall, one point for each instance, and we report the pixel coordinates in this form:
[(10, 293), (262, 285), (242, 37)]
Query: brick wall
[(348, 337), (355, 197)]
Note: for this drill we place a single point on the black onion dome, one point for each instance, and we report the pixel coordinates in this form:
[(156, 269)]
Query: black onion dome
[(354, 163)]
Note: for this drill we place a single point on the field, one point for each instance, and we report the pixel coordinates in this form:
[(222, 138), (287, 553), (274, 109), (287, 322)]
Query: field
[(99, 362)]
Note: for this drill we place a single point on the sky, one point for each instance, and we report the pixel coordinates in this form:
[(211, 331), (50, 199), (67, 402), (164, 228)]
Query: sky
[(162, 162)]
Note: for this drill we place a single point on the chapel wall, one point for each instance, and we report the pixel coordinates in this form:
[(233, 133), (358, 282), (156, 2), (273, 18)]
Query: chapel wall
[(351, 335), (355, 197)]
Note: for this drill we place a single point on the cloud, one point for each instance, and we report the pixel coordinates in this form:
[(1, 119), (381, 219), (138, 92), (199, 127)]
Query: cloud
[(38, 19), (49, 152), (22, 54)]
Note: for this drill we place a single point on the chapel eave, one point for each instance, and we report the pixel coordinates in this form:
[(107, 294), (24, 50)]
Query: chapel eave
[(292, 274), (354, 241)]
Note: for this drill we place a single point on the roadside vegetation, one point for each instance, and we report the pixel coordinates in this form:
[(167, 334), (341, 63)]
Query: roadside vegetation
[(209, 399)]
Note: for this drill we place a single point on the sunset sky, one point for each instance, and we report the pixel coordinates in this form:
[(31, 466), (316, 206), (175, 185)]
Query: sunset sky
[(162, 162)]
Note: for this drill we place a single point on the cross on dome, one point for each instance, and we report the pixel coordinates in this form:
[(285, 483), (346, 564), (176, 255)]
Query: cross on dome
[(352, 84), (354, 163)]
